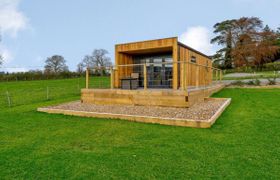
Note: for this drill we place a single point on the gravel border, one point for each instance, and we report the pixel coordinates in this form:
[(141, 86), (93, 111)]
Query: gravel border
[(199, 111)]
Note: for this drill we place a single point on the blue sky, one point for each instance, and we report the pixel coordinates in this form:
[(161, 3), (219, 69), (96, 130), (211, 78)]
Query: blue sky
[(33, 30)]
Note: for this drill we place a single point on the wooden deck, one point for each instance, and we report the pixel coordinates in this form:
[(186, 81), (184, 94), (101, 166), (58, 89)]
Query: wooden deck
[(150, 97)]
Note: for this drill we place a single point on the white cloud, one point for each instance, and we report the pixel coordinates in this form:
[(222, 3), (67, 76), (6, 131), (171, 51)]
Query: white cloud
[(198, 37), (12, 20), (6, 54)]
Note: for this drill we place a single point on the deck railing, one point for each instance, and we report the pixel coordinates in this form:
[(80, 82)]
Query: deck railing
[(150, 75)]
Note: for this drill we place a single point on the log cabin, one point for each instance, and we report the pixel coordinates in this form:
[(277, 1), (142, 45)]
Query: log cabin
[(161, 72)]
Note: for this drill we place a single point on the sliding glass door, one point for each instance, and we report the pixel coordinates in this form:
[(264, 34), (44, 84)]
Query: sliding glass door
[(159, 70)]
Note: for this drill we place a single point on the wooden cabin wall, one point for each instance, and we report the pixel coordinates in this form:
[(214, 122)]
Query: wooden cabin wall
[(124, 54), (146, 46), (122, 71), (195, 75), (193, 71)]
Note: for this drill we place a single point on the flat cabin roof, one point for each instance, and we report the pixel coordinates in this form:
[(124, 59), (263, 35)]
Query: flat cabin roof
[(159, 49)]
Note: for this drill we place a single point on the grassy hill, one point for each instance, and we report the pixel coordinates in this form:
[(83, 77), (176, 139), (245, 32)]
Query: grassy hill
[(244, 142)]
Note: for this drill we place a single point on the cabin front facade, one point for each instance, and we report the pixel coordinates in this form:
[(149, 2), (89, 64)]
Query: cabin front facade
[(168, 62), (162, 72)]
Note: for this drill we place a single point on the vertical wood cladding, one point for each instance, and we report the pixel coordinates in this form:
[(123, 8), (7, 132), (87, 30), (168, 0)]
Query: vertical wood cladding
[(204, 75), (124, 56)]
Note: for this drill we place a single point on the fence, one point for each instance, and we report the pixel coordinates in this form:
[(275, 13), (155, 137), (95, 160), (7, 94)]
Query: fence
[(182, 75), (25, 93)]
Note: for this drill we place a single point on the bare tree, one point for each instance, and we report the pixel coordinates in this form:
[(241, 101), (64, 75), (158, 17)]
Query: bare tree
[(87, 61), (98, 60), (55, 64), (80, 68)]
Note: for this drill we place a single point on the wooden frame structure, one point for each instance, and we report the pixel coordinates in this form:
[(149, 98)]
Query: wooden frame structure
[(185, 72), (190, 69)]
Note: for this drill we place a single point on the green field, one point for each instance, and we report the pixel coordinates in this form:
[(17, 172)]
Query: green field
[(243, 143)]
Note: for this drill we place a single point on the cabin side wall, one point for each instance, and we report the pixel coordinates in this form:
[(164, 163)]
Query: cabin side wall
[(122, 71), (195, 75)]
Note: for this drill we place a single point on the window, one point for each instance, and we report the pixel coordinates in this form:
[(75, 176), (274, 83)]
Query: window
[(193, 59)]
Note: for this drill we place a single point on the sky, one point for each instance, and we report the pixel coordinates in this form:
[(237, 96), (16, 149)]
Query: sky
[(33, 30)]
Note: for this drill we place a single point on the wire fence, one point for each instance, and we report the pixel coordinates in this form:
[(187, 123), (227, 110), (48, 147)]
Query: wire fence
[(18, 93)]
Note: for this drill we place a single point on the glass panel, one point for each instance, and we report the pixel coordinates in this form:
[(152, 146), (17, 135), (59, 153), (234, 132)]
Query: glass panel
[(159, 70)]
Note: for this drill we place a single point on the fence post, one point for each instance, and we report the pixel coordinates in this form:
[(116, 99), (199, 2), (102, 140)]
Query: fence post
[(221, 75), (112, 77), (8, 99), (197, 76), (186, 74), (47, 92), (217, 74), (87, 77), (145, 76), (78, 85)]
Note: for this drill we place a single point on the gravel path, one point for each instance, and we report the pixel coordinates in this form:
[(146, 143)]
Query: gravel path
[(201, 111), (239, 75)]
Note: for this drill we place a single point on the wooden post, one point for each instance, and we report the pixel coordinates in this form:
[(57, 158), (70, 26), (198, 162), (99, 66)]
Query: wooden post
[(8, 99), (145, 76), (197, 76), (184, 76), (175, 66), (112, 77), (47, 92), (217, 75), (87, 78), (221, 75)]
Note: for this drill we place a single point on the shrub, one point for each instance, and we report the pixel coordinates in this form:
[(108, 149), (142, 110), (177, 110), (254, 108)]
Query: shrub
[(275, 66), (237, 83), (251, 83), (257, 82), (271, 81)]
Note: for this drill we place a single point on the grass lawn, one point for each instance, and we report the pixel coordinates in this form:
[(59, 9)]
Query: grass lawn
[(243, 143)]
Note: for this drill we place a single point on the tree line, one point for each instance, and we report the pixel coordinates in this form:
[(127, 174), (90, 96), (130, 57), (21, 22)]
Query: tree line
[(56, 68), (245, 42)]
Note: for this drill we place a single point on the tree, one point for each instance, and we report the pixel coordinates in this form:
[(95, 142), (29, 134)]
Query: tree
[(277, 57), (98, 60), (278, 36), (87, 61), (245, 42), (224, 30), (55, 64), (254, 45), (80, 68)]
